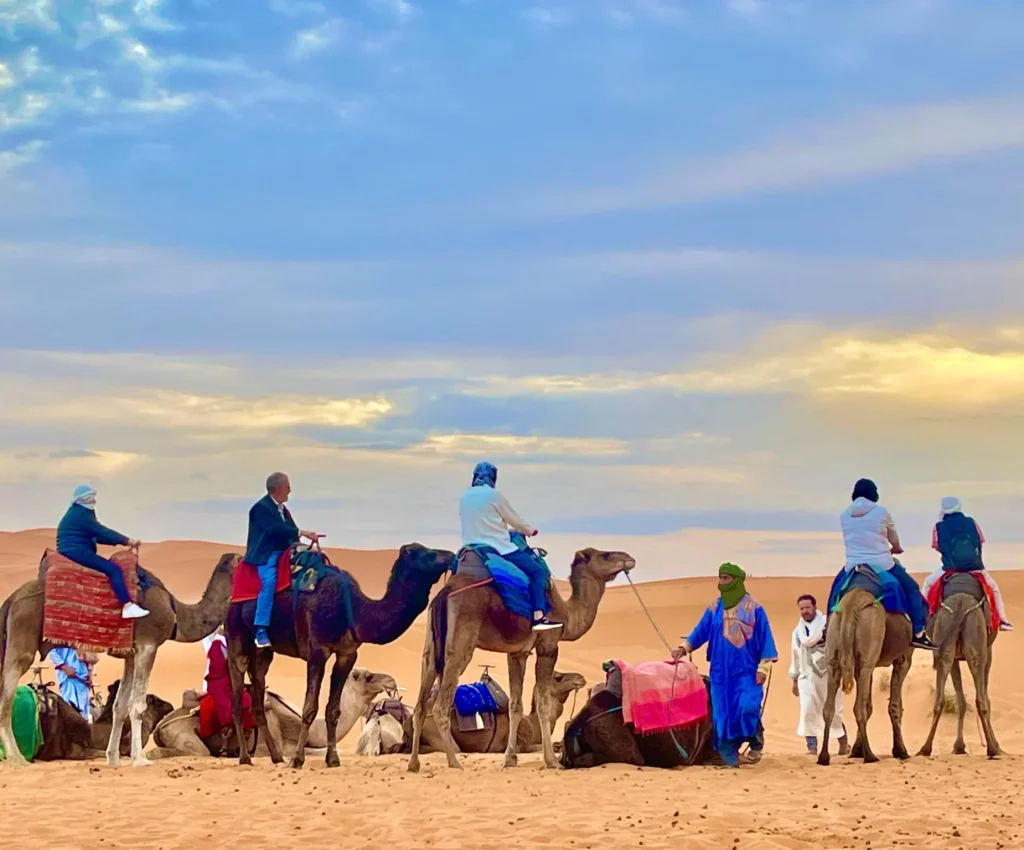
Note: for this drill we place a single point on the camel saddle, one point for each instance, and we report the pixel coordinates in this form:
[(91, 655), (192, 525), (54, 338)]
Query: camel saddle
[(390, 706), (972, 584), (477, 706)]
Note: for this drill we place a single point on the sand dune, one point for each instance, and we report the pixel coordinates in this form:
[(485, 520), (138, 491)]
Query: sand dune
[(785, 802)]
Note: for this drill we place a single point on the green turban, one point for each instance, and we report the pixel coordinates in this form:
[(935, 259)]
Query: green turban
[(733, 592)]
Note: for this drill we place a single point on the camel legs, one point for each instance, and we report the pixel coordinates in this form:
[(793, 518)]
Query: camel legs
[(458, 652), (944, 662), (829, 714), (516, 677), (315, 667), (339, 675), (121, 706), (428, 676), (545, 682), (900, 669), (959, 746), (259, 667), (145, 655), (862, 708), (977, 661), (15, 665)]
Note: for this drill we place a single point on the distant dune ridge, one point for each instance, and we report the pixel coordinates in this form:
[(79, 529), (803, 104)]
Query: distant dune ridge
[(780, 790)]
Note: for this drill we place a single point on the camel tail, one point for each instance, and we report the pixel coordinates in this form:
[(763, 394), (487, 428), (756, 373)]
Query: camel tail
[(439, 627), (848, 621), (4, 612)]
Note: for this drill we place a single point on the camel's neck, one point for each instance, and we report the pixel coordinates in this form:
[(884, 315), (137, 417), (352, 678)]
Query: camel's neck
[(201, 619), (579, 611), (353, 707), (385, 620)]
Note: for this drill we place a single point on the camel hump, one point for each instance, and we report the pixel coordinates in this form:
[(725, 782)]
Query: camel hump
[(965, 583)]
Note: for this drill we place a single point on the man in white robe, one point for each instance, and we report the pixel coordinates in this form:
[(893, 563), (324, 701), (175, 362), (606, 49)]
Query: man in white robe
[(810, 682)]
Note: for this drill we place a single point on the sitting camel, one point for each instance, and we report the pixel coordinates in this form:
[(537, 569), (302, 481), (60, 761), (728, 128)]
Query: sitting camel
[(65, 734), (468, 614), (493, 740), (862, 635), (598, 735), (179, 734), (156, 710), (21, 640), (960, 628), (336, 618)]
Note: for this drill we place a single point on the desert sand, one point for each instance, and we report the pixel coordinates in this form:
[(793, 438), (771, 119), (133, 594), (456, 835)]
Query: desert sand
[(785, 802)]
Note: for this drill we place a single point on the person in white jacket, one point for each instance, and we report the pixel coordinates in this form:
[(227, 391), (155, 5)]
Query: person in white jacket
[(807, 670), (486, 518)]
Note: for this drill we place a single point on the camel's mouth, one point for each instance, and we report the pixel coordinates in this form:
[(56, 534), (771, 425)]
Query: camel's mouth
[(628, 564)]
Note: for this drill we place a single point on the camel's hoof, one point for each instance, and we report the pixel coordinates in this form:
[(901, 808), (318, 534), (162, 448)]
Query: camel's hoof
[(870, 758), (414, 765), (333, 760), (824, 759), (296, 764), (276, 761), (994, 754), (844, 750), (959, 750), (857, 752), (510, 762), (113, 762), (902, 755), (141, 762), (245, 761), (925, 752)]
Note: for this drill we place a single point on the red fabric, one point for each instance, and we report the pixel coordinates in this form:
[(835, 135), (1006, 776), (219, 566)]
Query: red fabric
[(652, 703), (246, 584), (935, 597), (80, 609), (215, 707)]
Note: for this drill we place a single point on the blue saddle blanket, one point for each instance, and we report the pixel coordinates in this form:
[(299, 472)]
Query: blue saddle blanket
[(474, 699), (510, 582), (887, 590)]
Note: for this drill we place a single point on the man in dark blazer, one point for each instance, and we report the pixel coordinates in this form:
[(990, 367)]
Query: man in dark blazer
[(271, 531)]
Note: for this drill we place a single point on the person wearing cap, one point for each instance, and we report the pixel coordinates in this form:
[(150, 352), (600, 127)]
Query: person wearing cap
[(958, 539), (870, 539), (741, 651), (486, 517), (78, 534)]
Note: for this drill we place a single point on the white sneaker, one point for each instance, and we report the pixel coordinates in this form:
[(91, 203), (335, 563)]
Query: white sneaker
[(131, 611)]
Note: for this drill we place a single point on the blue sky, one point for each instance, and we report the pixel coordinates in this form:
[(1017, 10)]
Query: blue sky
[(683, 269)]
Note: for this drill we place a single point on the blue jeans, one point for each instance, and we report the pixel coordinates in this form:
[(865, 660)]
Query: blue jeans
[(537, 575), (915, 601), (268, 587), (111, 570)]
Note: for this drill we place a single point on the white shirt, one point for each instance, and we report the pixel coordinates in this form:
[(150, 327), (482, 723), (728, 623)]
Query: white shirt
[(866, 534), (486, 518), (808, 653)]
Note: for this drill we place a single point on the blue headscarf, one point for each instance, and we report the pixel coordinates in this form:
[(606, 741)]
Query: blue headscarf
[(85, 496), (485, 474)]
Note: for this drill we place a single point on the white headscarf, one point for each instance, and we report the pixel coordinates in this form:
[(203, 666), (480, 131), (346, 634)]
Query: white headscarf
[(85, 496), (950, 505)]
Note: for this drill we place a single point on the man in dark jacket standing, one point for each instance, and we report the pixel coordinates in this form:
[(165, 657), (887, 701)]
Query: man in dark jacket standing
[(271, 531), (78, 534)]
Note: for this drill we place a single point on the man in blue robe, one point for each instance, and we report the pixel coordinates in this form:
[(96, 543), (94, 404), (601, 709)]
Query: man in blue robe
[(741, 651), (73, 678)]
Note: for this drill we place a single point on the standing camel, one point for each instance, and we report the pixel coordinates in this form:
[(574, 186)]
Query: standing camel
[(960, 628), (468, 614), (862, 635), (334, 619), (21, 640)]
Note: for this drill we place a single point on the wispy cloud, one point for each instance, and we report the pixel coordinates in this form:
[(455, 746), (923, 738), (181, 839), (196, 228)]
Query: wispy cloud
[(309, 42), (864, 145), (401, 10), (20, 156), (548, 17), (507, 445)]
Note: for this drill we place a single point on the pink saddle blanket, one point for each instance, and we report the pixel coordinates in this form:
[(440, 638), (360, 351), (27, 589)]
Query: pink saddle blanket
[(662, 695)]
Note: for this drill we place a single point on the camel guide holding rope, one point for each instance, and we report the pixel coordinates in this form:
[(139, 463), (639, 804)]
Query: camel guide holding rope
[(78, 534), (741, 650), (271, 532)]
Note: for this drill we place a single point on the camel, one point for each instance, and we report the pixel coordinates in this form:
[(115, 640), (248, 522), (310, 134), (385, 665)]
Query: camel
[(336, 618), (155, 711), (21, 640), (960, 630), (179, 737), (494, 740), (598, 735), (468, 614), (862, 635)]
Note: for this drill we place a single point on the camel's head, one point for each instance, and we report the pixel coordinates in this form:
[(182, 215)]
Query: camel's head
[(603, 565), (426, 563), (367, 685), (227, 563), (566, 684)]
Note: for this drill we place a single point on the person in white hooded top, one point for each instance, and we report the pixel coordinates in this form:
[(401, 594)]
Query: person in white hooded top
[(870, 538)]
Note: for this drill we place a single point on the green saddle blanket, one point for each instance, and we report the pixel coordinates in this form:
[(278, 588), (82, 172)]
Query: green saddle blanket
[(25, 719), (309, 567)]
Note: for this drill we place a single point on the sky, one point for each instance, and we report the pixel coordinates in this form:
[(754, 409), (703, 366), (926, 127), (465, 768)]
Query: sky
[(683, 269)]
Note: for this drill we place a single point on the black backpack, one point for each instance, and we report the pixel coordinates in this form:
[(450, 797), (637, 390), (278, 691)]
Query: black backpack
[(963, 551)]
